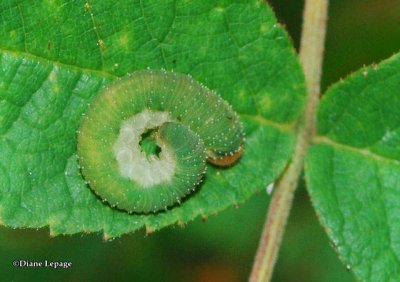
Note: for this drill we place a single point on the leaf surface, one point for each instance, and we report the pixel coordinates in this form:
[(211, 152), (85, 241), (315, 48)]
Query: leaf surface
[(353, 170), (56, 56)]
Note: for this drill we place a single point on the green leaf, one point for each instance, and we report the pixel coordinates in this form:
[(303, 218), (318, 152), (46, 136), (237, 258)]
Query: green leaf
[(55, 56), (353, 170)]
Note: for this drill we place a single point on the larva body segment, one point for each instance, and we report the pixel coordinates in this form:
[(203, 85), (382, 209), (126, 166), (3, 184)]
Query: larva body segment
[(188, 122)]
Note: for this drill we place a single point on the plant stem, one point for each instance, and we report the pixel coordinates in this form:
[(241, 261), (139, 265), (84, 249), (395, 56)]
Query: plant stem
[(311, 55)]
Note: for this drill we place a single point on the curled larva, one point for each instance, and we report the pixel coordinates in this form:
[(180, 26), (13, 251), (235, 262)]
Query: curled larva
[(144, 141)]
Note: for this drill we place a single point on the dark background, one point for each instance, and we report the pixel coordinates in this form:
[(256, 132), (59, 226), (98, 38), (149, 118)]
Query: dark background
[(360, 32)]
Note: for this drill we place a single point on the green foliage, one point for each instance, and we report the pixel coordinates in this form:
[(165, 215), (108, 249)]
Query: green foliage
[(353, 170), (55, 57)]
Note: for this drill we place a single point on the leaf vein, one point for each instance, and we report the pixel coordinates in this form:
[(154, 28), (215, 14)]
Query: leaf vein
[(320, 139)]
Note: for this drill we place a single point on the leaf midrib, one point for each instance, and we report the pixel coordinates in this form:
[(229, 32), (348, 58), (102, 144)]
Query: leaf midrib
[(282, 126), (321, 139), (56, 63)]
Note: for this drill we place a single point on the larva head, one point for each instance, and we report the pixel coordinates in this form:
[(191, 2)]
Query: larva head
[(188, 123), (225, 159)]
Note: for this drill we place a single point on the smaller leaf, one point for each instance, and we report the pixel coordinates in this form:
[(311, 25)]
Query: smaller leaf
[(353, 170)]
